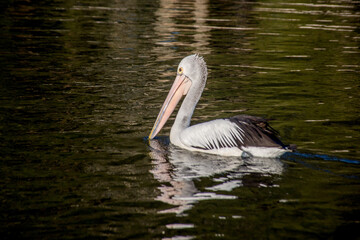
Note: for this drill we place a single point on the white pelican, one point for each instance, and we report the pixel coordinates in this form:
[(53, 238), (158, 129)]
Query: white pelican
[(232, 136)]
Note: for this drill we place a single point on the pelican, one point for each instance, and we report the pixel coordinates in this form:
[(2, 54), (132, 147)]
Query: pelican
[(240, 135)]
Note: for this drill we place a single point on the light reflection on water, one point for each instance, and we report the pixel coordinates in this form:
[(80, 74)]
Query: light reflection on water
[(82, 82)]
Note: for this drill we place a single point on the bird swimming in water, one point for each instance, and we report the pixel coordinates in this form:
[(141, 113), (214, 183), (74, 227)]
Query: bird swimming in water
[(235, 136)]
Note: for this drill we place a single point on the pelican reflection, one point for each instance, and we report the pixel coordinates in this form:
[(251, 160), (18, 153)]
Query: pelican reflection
[(178, 169)]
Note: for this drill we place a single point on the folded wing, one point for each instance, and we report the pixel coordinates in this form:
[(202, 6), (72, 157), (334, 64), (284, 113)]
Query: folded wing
[(239, 131)]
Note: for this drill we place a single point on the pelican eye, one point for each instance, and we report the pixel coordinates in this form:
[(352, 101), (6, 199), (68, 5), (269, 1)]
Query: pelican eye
[(180, 70)]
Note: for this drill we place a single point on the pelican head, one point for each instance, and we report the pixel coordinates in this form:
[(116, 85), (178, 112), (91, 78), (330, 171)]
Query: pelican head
[(190, 80)]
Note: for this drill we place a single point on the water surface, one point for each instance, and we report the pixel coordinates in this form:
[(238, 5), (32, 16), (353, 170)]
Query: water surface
[(83, 81)]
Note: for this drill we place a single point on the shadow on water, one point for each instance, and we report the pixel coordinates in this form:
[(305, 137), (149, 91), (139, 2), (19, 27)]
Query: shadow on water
[(302, 158), (322, 157)]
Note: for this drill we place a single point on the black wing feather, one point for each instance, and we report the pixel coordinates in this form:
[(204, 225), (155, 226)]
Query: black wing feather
[(258, 132)]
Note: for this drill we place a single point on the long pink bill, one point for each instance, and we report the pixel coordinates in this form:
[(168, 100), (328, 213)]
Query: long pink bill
[(179, 88)]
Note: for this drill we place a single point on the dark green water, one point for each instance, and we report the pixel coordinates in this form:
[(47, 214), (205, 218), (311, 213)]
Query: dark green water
[(83, 81)]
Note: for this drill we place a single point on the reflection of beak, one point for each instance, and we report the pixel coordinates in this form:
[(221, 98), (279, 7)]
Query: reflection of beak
[(179, 88)]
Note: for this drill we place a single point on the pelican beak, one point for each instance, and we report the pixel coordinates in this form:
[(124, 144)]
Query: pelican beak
[(179, 88)]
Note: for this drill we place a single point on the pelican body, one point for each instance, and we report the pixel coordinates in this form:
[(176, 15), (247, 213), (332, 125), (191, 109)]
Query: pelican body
[(234, 136)]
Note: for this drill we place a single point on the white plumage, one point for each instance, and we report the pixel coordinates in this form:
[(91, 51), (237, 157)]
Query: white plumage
[(216, 134)]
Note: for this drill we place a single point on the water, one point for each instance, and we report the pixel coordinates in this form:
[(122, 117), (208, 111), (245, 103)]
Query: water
[(83, 81)]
